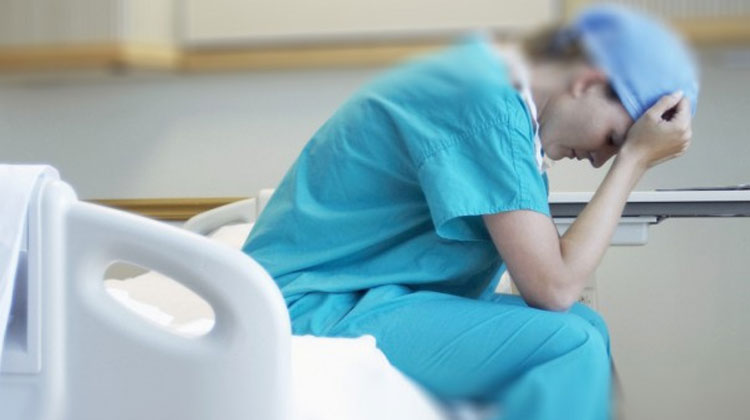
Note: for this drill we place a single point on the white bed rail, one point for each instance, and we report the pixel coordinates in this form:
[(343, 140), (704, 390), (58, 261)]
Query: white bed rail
[(243, 211), (97, 360)]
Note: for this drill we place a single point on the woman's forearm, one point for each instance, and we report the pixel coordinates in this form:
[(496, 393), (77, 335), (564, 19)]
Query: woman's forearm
[(654, 138), (583, 245)]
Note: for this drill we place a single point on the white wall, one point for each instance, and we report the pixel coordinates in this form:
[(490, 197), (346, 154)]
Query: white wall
[(170, 136), (677, 308)]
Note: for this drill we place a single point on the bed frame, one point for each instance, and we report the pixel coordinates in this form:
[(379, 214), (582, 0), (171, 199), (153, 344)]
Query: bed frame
[(73, 353)]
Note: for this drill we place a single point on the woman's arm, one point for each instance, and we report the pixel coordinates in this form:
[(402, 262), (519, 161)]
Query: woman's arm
[(551, 271)]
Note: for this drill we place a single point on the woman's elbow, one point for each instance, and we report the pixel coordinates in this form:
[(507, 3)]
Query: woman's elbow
[(561, 304), (557, 299), (553, 305)]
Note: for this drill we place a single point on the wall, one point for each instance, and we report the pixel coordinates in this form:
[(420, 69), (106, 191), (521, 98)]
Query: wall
[(677, 308), (170, 136)]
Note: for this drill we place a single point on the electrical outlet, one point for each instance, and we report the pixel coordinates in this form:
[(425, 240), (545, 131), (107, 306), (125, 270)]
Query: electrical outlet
[(588, 297)]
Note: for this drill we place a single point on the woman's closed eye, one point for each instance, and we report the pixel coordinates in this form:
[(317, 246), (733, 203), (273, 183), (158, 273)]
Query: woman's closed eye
[(615, 140), (611, 93)]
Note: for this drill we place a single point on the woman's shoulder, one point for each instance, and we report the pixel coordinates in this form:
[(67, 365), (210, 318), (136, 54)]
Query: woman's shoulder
[(467, 83)]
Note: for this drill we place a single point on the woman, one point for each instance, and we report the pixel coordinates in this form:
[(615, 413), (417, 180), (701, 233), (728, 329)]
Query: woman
[(403, 209)]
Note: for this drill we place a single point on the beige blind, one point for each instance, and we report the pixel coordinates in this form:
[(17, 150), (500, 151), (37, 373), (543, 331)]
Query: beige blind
[(714, 22), (46, 22), (269, 21), (682, 9)]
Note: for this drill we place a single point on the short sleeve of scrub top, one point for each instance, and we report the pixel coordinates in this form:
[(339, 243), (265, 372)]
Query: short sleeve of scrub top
[(491, 170), (474, 152), (391, 189)]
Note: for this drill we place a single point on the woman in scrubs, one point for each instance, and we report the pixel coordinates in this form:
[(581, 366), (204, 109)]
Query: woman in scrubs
[(402, 211)]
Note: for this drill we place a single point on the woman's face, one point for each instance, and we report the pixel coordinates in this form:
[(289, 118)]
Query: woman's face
[(587, 121)]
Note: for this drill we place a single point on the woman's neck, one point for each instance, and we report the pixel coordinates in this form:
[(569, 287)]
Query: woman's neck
[(548, 79)]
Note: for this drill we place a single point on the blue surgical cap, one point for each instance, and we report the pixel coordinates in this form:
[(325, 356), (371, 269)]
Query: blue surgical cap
[(643, 59)]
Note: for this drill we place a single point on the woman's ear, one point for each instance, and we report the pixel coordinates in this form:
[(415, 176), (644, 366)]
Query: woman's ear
[(585, 78)]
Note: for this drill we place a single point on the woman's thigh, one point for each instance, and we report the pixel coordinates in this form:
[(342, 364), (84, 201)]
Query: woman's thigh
[(467, 348)]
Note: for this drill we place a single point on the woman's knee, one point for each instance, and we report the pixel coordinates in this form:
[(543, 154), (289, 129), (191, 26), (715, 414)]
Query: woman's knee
[(592, 354), (572, 367), (559, 333), (593, 318), (578, 310)]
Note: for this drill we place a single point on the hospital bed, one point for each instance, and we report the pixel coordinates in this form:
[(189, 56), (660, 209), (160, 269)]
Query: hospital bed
[(73, 353)]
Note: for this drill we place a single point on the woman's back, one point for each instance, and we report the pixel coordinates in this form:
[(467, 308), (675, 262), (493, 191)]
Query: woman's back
[(390, 190)]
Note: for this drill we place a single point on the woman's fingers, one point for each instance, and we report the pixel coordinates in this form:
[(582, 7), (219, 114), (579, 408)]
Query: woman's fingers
[(677, 119), (665, 104), (682, 113), (682, 121), (662, 133)]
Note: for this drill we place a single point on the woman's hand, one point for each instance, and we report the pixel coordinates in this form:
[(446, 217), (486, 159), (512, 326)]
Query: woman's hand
[(661, 134)]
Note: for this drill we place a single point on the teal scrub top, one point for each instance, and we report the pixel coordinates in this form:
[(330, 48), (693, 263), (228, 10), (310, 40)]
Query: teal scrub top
[(391, 189)]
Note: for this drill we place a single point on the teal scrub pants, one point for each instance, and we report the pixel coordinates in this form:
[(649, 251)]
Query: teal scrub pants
[(535, 364)]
